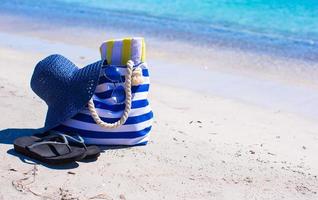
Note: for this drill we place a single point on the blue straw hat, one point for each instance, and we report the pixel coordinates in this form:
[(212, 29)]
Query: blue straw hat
[(64, 87)]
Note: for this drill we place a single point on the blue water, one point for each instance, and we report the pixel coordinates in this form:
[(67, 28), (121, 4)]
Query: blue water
[(290, 27)]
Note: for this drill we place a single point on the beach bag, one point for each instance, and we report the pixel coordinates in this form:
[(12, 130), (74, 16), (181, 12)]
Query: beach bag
[(106, 120)]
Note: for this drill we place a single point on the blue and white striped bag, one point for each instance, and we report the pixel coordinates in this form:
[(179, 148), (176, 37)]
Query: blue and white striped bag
[(135, 130)]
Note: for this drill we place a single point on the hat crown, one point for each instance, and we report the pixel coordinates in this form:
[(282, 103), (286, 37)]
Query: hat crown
[(51, 77)]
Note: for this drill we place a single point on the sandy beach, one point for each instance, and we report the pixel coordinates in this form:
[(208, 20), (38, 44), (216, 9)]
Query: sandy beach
[(220, 131)]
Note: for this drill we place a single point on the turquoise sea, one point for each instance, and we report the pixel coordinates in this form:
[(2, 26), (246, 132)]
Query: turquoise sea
[(288, 28)]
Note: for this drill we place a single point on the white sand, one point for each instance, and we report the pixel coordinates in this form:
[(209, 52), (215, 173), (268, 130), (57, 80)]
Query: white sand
[(203, 145)]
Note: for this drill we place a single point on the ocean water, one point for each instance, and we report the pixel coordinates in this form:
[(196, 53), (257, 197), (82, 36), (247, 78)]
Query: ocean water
[(288, 28)]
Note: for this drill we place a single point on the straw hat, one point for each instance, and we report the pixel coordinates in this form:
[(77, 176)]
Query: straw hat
[(64, 87)]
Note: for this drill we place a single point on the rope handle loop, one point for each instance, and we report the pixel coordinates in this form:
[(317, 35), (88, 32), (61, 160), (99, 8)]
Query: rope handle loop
[(122, 120)]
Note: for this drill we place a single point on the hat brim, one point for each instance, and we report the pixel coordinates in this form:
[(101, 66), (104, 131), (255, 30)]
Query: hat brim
[(81, 90)]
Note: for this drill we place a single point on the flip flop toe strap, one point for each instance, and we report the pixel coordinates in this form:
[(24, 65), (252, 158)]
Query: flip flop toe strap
[(35, 147), (78, 140)]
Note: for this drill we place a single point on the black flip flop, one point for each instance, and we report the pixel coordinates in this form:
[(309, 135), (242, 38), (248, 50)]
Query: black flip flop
[(50, 152), (75, 141)]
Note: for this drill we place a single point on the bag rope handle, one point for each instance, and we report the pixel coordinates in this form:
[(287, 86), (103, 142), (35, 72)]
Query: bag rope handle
[(122, 120)]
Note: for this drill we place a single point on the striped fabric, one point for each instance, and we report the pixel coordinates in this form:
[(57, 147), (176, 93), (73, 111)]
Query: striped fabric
[(118, 52), (136, 129)]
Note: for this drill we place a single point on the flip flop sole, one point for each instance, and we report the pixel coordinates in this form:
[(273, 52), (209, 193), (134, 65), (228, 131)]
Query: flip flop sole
[(20, 145), (92, 152)]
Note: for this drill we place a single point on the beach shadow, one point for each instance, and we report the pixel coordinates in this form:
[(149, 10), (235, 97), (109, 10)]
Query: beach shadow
[(31, 161), (116, 147), (7, 136)]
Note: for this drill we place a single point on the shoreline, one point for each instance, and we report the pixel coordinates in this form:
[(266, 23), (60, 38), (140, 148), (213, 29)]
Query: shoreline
[(172, 29), (275, 89), (220, 58)]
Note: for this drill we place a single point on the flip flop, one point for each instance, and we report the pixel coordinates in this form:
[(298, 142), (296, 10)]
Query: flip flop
[(76, 141), (50, 152)]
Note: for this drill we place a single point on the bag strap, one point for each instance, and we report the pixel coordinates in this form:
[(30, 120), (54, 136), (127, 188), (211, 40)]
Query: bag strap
[(122, 120)]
